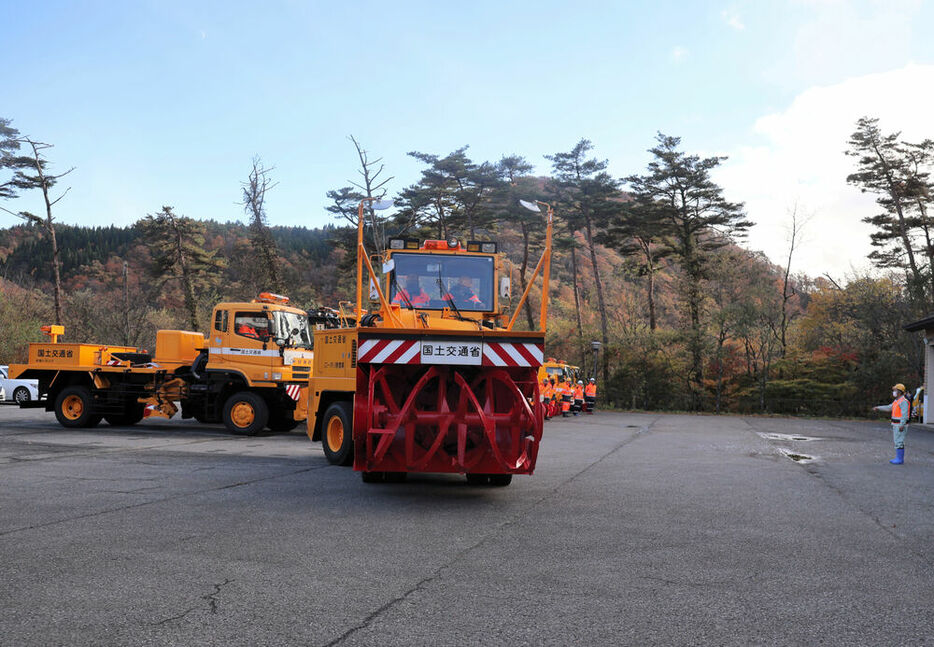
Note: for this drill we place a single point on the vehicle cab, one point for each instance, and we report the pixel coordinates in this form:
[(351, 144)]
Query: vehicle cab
[(265, 340), (430, 280)]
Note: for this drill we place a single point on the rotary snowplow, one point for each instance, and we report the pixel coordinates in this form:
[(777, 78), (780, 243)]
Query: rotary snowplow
[(432, 377)]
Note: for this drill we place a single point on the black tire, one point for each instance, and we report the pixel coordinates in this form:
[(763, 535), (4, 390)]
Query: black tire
[(496, 480), (21, 394), (130, 417), (73, 407), (372, 477), (337, 440), (245, 413), (500, 480)]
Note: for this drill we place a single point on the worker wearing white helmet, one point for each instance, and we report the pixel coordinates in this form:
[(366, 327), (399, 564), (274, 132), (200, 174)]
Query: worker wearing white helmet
[(590, 395), (578, 398)]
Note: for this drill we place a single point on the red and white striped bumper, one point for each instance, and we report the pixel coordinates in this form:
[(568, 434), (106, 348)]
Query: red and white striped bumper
[(512, 354), (389, 351), (459, 351)]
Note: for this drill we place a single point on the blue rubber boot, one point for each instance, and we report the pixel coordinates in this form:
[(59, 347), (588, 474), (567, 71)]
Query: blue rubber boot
[(899, 456)]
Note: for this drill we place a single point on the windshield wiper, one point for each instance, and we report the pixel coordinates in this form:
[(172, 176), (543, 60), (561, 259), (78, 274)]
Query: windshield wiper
[(403, 293), (449, 297)]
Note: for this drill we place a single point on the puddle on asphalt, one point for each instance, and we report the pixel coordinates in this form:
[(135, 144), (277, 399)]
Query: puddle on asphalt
[(798, 458), (786, 437)]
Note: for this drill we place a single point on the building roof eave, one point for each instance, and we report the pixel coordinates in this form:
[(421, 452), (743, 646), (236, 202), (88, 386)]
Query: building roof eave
[(921, 324)]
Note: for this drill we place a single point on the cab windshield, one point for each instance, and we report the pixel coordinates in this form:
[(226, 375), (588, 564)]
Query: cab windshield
[(293, 328), (432, 281)]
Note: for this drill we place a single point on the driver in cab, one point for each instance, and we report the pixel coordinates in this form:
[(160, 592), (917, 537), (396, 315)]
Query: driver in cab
[(412, 293), (253, 330), (464, 294)]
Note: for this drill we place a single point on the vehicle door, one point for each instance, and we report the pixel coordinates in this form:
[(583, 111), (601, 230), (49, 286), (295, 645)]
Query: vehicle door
[(251, 348)]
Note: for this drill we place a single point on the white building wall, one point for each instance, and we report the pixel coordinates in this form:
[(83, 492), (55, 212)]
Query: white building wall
[(928, 371)]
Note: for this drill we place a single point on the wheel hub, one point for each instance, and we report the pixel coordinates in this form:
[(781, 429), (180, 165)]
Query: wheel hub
[(242, 414), (335, 433), (73, 407)]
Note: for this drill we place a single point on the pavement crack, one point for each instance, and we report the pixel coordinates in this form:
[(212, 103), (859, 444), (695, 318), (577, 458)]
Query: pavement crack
[(438, 572), (174, 618), (211, 599)]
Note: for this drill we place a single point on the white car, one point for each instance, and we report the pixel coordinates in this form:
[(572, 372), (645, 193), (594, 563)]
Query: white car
[(18, 390), (2, 394)]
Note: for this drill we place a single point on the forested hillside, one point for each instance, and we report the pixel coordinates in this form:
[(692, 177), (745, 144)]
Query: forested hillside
[(652, 265)]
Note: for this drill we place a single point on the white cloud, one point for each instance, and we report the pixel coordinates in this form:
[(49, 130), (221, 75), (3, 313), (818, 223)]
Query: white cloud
[(835, 37), (678, 54), (801, 159), (731, 18)]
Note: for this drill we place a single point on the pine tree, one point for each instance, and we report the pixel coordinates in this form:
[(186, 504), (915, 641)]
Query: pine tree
[(639, 232), (897, 172), (176, 244), (589, 195), (30, 171), (9, 145), (452, 195), (678, 190), (518, 185)]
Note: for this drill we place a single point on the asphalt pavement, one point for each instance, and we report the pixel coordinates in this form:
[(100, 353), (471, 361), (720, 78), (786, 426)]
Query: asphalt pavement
[(636, 529)]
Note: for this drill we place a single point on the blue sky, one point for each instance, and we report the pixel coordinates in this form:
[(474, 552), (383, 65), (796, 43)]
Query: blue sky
[(166, 102)]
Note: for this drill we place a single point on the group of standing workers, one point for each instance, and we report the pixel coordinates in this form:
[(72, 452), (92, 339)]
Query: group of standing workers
[(567, 398)]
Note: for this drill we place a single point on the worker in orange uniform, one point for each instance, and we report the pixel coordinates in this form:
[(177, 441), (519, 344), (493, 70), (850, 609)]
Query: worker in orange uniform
[(248, 330), (578, 397), (590, 395), (412, 293), (566, 391), (553, 402), (545, 395)]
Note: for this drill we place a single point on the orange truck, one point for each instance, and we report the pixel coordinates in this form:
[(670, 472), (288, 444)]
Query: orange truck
[(431, 376), (250, 372)]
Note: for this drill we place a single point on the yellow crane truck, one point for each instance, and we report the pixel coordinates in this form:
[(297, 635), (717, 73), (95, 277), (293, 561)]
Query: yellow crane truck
[(250, 372)]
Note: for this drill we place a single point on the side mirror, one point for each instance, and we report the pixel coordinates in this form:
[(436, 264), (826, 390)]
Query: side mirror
[(504, 287)]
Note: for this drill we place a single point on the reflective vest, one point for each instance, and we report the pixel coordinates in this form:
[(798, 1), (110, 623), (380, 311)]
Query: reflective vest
[(590, 390), (420, 300), (897, 410), (578, 392)]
